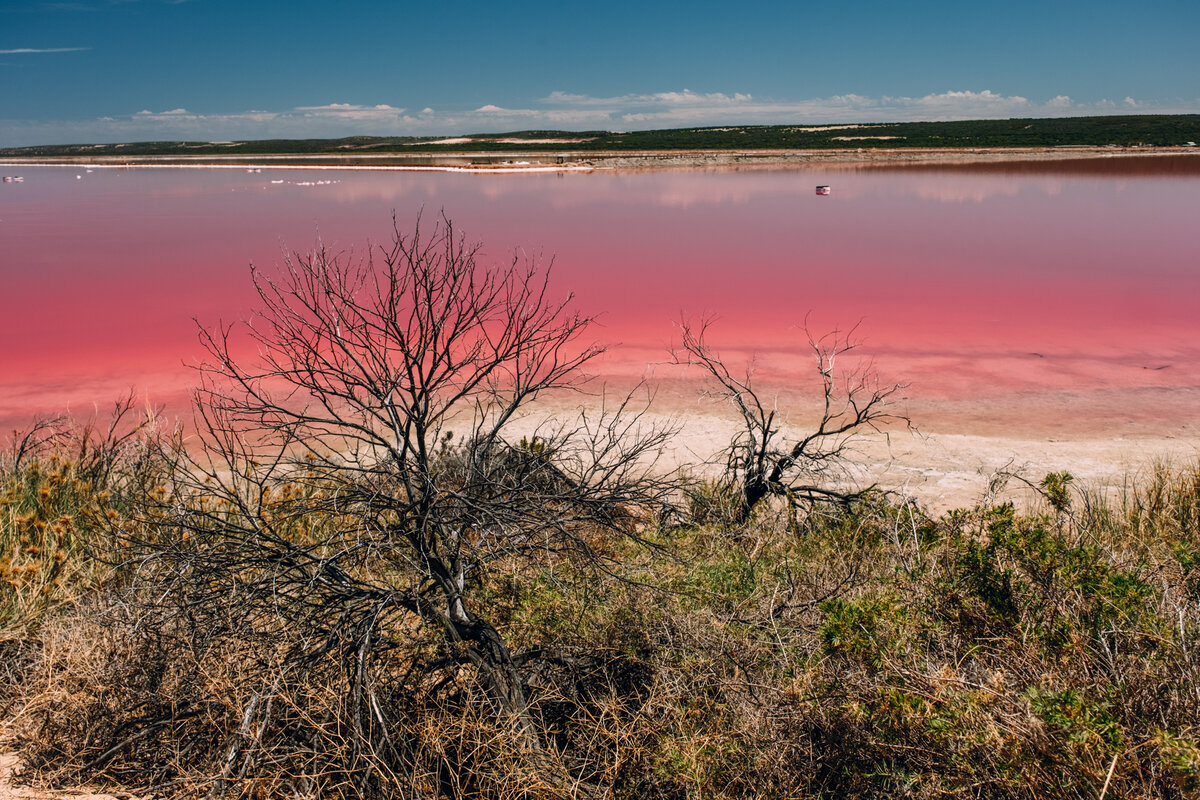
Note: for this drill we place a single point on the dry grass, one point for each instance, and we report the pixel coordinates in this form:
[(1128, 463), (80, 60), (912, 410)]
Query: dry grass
[(868, 653)]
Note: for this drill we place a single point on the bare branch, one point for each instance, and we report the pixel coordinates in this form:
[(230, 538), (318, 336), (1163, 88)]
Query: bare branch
[(807, 470), (331, 499)]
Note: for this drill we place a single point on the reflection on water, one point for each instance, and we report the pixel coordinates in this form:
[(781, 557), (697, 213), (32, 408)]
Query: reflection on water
[(1102, 167), (964, 279)]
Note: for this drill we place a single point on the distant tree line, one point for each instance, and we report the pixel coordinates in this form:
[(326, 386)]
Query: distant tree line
[(1134, 130)]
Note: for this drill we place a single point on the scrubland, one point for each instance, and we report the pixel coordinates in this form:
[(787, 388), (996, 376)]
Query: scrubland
[(861, 651)]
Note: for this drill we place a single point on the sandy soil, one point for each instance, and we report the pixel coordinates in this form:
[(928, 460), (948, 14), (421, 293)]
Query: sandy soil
[(8, 791), (1107, 439)]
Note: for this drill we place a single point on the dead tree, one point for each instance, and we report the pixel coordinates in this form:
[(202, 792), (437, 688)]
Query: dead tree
[(357, 477), (808, 470)]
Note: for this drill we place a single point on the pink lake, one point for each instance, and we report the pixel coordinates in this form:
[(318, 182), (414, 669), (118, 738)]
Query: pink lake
[(970, 283)]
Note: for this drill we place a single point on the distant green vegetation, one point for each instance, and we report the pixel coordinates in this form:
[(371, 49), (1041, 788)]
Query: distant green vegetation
[(1144, 130)]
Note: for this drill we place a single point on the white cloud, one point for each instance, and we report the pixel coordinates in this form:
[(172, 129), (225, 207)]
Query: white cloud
[(686, 108), (349, 111), (565, 111), (658, 100), (19, 50), (666, 109)]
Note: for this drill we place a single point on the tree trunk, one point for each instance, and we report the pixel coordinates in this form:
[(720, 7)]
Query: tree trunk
[(490, 654), (506, 687), (753, 491)]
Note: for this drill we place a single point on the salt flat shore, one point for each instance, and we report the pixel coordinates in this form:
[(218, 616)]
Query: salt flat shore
[(1105, 437), (957, 450), (569, 160)]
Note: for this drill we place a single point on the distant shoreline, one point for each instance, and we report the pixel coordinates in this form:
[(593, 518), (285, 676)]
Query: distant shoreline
[(581, 161)]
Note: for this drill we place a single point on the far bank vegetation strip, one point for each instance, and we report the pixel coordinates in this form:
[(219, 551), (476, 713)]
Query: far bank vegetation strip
[(357, 581), (1114, 131)]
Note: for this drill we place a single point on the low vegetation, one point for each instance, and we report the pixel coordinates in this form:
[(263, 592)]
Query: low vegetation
[(1125, 130), (874, 653), (298, 605)]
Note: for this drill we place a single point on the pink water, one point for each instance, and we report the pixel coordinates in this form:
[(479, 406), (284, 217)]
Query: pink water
[(968, 282)]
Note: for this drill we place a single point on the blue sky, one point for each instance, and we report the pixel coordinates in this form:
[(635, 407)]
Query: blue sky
[(79, 71)]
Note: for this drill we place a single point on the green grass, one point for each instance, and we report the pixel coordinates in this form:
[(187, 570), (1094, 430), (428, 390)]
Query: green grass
[(53, 524)]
